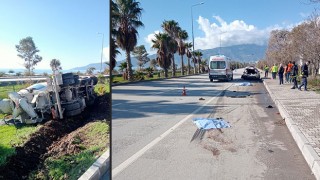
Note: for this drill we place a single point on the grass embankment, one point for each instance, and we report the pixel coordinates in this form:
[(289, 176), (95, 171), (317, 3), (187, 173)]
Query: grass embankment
[(10, 137), (75, 153)]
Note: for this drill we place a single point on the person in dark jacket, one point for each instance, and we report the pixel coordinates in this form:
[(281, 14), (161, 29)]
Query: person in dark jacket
[(294, 74), (280, 73), (304, 73)]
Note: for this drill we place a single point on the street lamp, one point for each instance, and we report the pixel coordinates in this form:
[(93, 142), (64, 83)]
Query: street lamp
[(101, 52), (192, 23)]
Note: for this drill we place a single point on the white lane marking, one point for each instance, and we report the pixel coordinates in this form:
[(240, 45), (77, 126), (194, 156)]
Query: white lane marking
[(138, 154)]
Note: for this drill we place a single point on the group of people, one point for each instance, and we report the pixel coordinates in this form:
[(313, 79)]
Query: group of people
[(290, 72)]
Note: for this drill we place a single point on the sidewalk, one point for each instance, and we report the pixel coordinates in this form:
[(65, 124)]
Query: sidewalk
[(301, 111)]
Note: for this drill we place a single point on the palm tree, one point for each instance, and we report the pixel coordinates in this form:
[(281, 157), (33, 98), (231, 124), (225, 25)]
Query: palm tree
[(204, 64), (90, 70), (113, 45), (123, 68), (172, 28), (162, 42), (55, 65), (189, 54), (198, 55), (127, 22), (182, 36)]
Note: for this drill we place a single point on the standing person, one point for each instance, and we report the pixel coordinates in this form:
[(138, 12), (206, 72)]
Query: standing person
[(274, 71), (266, 71), (304, 73), (286, 73), (290, 65), (280, 73), (294, 73)]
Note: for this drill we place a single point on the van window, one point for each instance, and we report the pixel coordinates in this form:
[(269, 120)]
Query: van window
[(217, 65)]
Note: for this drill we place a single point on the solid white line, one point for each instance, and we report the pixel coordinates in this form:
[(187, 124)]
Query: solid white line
[(138, 154)]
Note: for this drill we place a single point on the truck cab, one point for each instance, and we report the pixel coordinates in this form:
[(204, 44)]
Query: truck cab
[(219, 68)]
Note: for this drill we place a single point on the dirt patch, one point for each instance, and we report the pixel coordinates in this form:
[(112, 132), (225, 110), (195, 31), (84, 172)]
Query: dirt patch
[(215, 151), (30, 155)]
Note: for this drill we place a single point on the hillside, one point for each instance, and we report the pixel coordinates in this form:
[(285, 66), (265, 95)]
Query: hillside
[(243, 53)]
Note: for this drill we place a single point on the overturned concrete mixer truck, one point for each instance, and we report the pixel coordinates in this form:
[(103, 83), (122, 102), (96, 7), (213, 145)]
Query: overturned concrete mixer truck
[(62, 95)]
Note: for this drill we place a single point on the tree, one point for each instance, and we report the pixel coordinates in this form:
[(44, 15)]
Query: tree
[(141, 54), (172, 28), (90, 70), (189, 54), (162, 42), (123, 68), (153, 63), (55, 65), (198, 55), (113, 45), (127, 21), (182, 36), (27, 50), (11, 71)]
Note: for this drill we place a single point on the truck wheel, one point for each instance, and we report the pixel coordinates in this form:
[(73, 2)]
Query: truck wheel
[(94, 79), (67, 75), (71, 107), (67, 81), (73, 112), (76, 79), (211, 80)]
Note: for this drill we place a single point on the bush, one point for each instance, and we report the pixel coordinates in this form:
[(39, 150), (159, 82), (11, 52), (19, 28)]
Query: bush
[(2, 74)]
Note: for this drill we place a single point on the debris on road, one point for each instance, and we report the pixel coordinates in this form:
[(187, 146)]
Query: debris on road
[(269, 106), (243, 84), (210, 123), (201, 99)]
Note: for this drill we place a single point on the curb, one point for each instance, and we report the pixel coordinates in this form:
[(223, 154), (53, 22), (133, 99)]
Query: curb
[(309, 154), (98, 168)]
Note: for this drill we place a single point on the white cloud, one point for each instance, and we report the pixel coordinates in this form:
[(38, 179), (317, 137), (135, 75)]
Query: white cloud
[(233, 33), (148, 40)]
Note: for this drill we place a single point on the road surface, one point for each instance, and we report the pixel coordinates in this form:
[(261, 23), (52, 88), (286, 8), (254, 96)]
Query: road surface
[(153, 136)]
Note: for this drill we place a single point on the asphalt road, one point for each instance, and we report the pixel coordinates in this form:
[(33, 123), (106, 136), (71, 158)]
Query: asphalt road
[(153, 136)]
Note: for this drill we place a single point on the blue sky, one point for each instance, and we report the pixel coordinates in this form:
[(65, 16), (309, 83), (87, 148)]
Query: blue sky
[(236, 21), (63, 29)]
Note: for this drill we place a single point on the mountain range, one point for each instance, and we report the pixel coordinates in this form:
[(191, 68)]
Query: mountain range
[(242, 53)]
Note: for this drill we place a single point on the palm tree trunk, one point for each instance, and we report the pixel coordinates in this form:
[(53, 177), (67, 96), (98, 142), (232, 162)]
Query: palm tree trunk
[(199, 65), (182, 68), (195, 67), (166, 73), (173, 67), (130, 75), (188, 66)]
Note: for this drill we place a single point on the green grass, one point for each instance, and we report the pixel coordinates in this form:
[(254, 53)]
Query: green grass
[(11, 136), (4, 90), (93, 139), (101, 89)]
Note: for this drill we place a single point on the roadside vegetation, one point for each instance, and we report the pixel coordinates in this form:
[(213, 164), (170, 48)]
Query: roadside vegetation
[(299, 44), (11, 137), (70, 157)]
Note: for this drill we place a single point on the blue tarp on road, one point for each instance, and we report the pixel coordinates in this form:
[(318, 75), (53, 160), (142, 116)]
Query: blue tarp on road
[(210, 123)]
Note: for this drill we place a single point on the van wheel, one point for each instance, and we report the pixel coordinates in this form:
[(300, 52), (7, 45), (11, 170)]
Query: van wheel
[(211, 80), (232, 78)]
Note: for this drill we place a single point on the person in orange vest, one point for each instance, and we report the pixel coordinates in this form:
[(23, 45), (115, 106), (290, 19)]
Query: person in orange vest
[(289, 69)]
